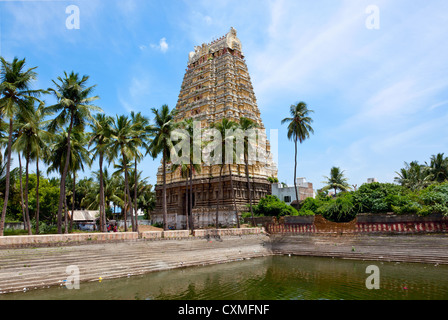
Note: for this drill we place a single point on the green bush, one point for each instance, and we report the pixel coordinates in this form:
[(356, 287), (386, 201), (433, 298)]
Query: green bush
[(158, 225), (433, 199), (379, 197), (306, 213), (311, 205), (340, 209), (271, 206)]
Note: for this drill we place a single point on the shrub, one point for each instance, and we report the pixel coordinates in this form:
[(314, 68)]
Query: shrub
[(158, 225), (272, 206), (433, 196), (379, 197), (340, 209), (433, 199), (310, 204)]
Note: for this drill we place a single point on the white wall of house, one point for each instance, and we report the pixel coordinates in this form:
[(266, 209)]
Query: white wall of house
[(288, 194)]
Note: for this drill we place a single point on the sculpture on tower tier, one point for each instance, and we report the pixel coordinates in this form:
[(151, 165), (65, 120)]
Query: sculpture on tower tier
[(216, 85)]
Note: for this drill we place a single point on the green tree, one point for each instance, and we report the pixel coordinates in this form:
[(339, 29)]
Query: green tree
[(162, 144), (226, 128), (246, 125), (414, 176), (101, 138), (74, 106), (438, 167), (141, 134), (125, 142), (271, 206), (139, 188), (336, 181), (15, 93), (299, 129), (78, 156), (31, 141), (187, 164), (121, 167)]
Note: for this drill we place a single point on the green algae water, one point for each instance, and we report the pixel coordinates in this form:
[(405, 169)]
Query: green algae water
[(267, 278)]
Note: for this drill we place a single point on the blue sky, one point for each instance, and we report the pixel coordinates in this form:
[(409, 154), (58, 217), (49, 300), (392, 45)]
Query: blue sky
[(379, 95)]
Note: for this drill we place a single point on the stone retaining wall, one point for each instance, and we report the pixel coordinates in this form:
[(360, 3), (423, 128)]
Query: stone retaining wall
[(19, 241), (34, 240), (227, 232), (417, 248), (367, 223)]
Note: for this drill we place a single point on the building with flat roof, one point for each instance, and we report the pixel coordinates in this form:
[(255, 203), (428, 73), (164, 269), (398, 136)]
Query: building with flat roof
[(288, 194)]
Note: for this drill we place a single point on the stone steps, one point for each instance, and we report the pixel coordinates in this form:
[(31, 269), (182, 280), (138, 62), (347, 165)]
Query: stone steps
[(47, 266), (422, 249), (118, 272)]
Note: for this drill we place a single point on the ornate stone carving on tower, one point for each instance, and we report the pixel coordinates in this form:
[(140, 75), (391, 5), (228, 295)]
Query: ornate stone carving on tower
[(216, 85)]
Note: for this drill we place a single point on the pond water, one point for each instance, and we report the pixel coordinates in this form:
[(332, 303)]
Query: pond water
[(267, 278)]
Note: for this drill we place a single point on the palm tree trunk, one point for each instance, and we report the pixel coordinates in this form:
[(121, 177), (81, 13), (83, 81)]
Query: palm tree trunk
[(102, 209), (64, 176), (131, 209), (8, 177), (37, 195), (126, 190), (27, 212), (66, 216), (249, 189), (191, 198), (165, 214), (186, 204), (22, 201), (135, 196), (125, 216), (233, 197), (295, 170), (73, 202), (219, 196)]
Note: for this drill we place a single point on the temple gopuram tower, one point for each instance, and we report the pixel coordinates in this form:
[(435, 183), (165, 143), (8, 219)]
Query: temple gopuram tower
[(216, 85)]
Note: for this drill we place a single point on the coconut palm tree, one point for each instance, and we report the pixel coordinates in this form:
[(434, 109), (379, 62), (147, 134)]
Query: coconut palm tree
[(438, 167), (185, 173), (147, 199), (138, 186), (336, 181), (162, 144), (74, 107), (122, 166), (225, 127), (31, 140), (15, 93), (299, 129), (101, 137), (141, 128), (246, 125), (188, 163), (78, 156), (414, 176), (111, 186), (125, 142)]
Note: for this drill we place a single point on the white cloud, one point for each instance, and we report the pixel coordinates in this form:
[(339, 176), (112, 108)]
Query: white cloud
[(162, 46)]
